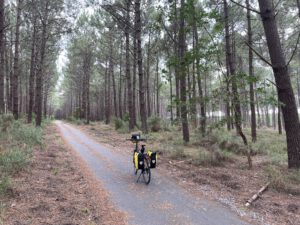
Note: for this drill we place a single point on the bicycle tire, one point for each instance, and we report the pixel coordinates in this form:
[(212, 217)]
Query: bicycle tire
[(147, 172)]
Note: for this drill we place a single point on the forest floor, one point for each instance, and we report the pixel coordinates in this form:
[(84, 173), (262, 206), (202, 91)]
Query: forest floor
[(52, 190), (223, 176)]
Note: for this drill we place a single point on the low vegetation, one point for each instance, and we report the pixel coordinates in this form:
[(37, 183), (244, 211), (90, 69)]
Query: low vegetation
[(16, 142), (222, 147)]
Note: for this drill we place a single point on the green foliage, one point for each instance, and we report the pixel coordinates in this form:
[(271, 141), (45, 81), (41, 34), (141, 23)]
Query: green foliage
[(16, 145), (210, 158), (5, 185), (13, 161), (228, 141), (6, 121), (295, 175), (276, 178), (119, 123), (77, 113), (27, 134), (177, 153), (74, 120), (154, 123)]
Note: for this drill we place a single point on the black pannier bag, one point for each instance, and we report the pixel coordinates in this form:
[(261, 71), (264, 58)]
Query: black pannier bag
[(153, 159), (135, 137)]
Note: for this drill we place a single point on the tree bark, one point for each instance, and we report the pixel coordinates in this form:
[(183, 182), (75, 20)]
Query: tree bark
[(200, 88), (128, 77), (140, 66), (39, 75), (148, 75), (32, 73), (157, 87), (176, 54), (298, 5), (134, 75), (251, 74), (107, 93), (182, 73), (279, 119), (2, 55), (230, 58), (7, 73), (15, 78), (120, 80), (283, 83)]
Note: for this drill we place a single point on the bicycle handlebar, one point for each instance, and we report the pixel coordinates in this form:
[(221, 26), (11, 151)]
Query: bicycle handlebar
[(136, 140)]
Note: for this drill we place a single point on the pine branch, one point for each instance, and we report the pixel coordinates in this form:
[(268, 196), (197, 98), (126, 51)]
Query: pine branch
[(259, 55), (294, 51), (245, 7)]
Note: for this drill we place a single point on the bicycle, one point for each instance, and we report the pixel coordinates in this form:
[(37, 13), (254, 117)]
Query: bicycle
[(141, 160)]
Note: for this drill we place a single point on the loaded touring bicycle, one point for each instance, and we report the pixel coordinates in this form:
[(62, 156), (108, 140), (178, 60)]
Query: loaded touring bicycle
[(143, 160)]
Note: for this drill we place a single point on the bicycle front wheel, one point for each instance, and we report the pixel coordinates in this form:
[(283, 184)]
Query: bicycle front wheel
[(147, 172)]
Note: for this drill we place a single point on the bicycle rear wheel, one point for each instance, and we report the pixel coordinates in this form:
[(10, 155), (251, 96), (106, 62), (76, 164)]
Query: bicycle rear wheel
[(147, 172)]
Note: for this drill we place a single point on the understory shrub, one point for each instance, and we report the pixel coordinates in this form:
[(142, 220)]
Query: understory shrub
[(5, 184), (212, 158), (177, 153), (16, 145), (119, 123), (27, 134), (13, 161), (6, 121), (154, 123), (276, 178)]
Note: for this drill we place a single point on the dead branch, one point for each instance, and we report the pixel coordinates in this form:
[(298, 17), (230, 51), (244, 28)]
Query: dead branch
[(256, 196)]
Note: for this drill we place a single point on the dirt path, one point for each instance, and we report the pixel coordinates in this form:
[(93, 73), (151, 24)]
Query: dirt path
[(161, 202)]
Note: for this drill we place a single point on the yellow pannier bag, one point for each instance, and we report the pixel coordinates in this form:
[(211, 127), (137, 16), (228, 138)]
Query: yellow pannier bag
[(138, 161), (153, 159)]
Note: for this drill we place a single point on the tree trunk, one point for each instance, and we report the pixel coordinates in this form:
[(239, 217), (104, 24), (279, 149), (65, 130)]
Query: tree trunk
[(120, 81), (251, 74), (32, 73), (200, 88), (45, 102), (107, 91), (148, 75), (140, 67), (283, 83), (279, 119), (176, 53), (230, 58), (193, 100), (15, 78), (39, 76), (171, 94), (298, 87), (134, 76), (182, 73), (7, 71), (112, 74), (157, 87), (128, 77), (2, 55), (298, 5)]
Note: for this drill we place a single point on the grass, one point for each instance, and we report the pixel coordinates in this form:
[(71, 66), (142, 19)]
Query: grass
[(221, 148), (13, 161), (5, 184), (17, 140), (295, 175)]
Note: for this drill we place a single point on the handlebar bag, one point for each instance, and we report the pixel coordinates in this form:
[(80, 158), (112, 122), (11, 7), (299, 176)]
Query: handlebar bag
[(153, 159), (138, 161)]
